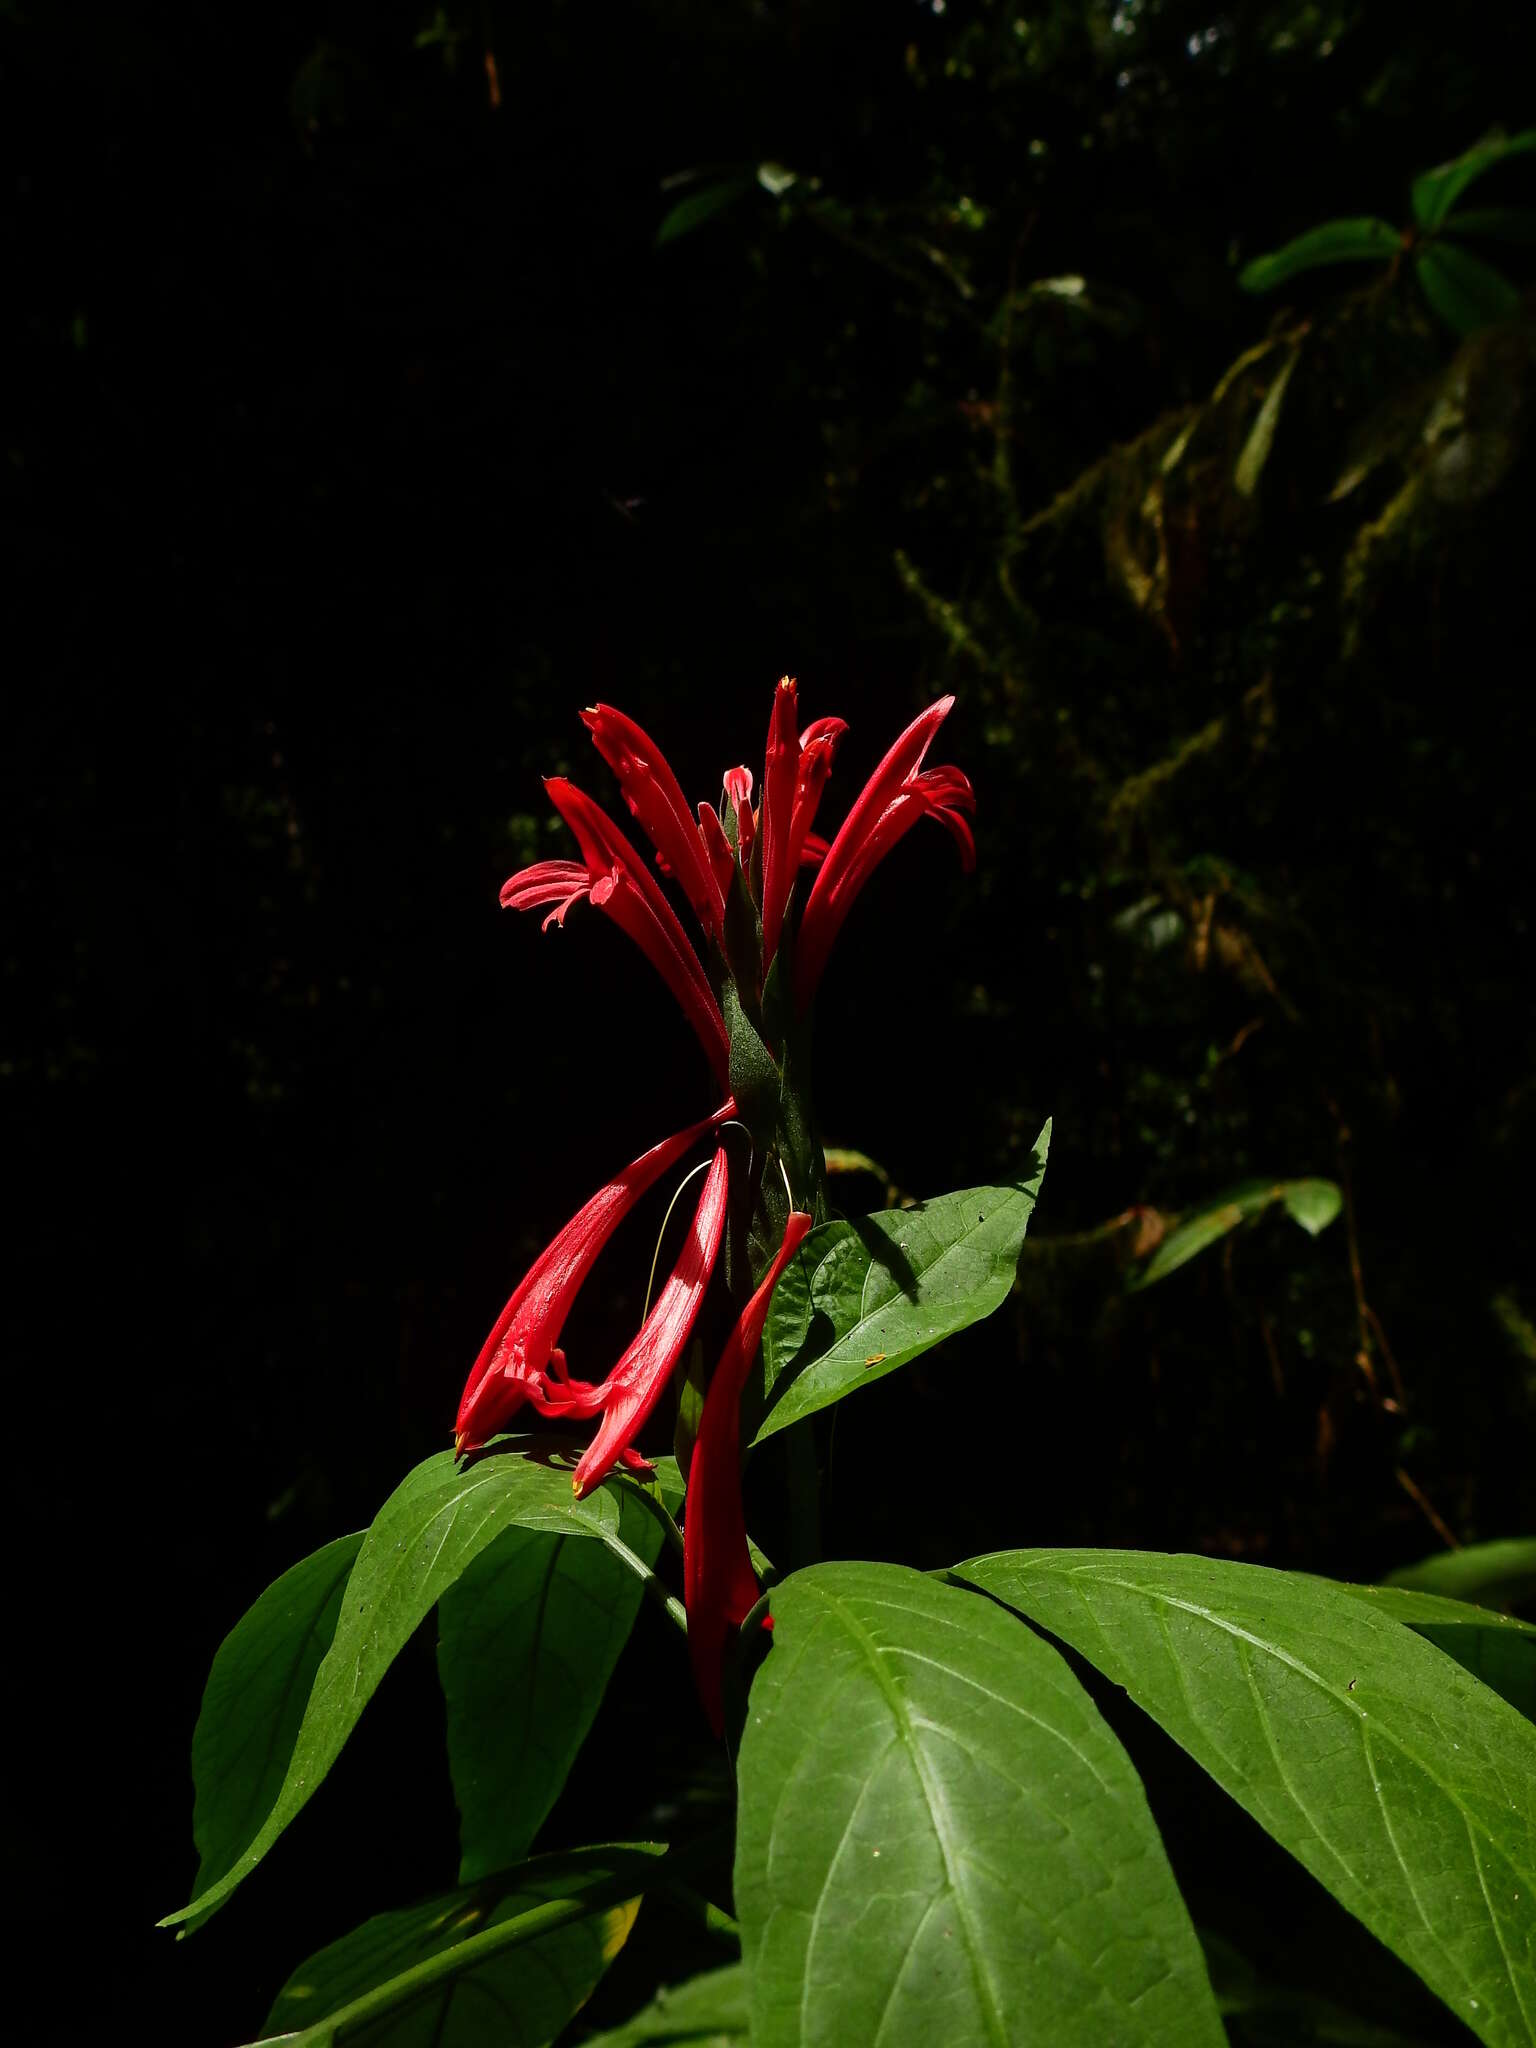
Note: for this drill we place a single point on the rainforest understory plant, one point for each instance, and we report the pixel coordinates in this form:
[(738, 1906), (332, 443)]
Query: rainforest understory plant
[(937, 1835)]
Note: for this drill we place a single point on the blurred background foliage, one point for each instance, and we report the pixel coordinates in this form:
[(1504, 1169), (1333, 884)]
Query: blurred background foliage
[(387, 382)]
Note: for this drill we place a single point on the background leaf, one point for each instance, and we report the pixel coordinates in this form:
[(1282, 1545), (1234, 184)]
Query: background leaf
[(1403, 1785), (862, 1298), (1515, 224), (1361, 239), (527, 1642), (1498, 1574), (254, 1700), (706, 2012), (939, 1839), (1465, 291), (433, 1526), (1311, 1203), (1494, 1647), (481, 1967), (1261, 435), (700, 206), (1436, 192)]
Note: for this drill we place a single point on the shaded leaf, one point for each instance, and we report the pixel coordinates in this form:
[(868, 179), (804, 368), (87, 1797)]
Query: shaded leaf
[(1499, 1574), (527, 1642), (939, 1839), (1435, 192), (433, 1526), (1261, 435), (254, 1700), (501, 1964), (862, 1298), (1465, 291), (1278, 2015), (1402, 1784), (1361, 239), (700, 206), (706, 2012), (1311, 1203), (1497, 223)]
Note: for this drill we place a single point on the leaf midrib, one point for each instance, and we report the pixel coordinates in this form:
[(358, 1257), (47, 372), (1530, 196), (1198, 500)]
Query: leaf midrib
[(896, 1702)]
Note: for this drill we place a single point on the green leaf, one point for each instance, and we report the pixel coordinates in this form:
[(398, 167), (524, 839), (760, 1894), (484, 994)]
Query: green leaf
[(1494, 1647), (1358, 240), (1311, 1203), (1403, 1785), (1498, 223), (940, 1841), (1501, 1574), (700, 206), (862, 1298), (254, 1701), (501, 1964), (706, 2012), (1436, 192), (1261, 436), (430, 1530), (527, 1642), (1465, 291)]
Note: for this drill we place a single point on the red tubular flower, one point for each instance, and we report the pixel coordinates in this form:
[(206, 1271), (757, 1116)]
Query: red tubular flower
[(631, 1390), (717, 848), (781, 774), (738, 788), (514, 1358), (621, 886), (718, 1582), (655, 798), (890, 804)]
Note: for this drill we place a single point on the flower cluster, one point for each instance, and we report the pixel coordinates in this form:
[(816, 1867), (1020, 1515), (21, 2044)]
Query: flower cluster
[(740, 869)]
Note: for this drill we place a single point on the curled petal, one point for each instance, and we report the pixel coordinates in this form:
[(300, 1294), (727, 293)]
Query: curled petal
[(632, 1389), (718, 1582), (781, 774), (561, 882), (655, 798), (521, 1347), (814, 851), (887, 808), (625, 890)]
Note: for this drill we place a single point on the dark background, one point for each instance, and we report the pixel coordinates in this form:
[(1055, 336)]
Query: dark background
[(359, 432)]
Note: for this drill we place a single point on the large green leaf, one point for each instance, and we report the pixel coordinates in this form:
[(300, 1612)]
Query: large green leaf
[(1494, 1647), (1401, 1783), (1436, 192), (254, 1701), (527, 1642), (501, 1964), (1499, 1574), (862, 1298), (939, 1839), (1311, 1203), (706, 2012), (1360, 239), (1465, 291), (430, 1530)]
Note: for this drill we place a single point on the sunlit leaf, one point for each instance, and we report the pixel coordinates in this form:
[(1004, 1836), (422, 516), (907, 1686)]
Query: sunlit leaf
[(1357, 240), (940, 1841), (430, 1530), (1436, 192), (1402, 1784), (864, 1297), (501, 1964), (1311, 1203)]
